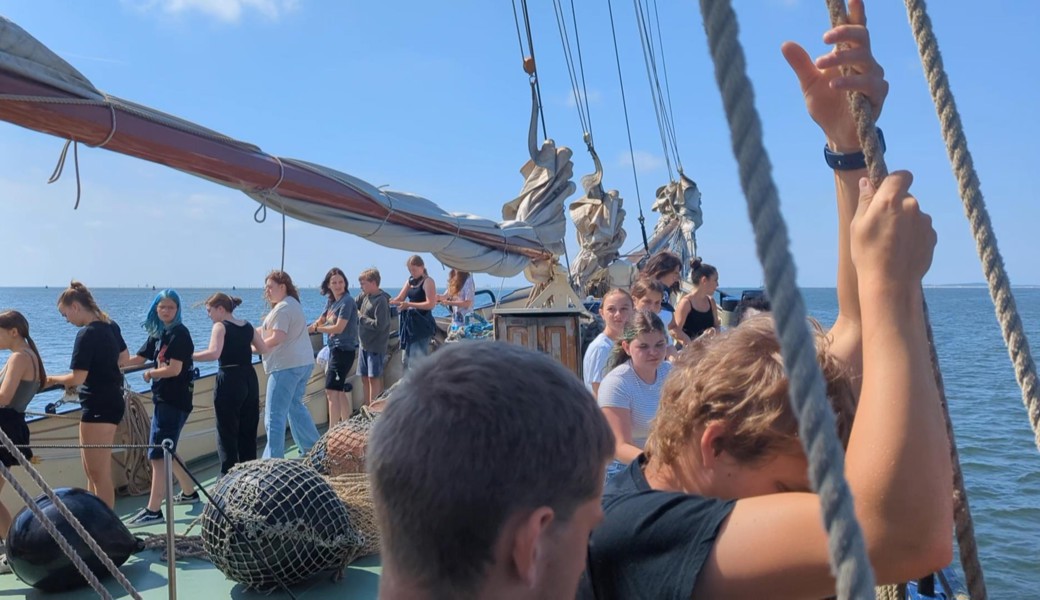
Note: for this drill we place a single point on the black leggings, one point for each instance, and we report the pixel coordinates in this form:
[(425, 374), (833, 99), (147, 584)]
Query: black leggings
[(236, 402)]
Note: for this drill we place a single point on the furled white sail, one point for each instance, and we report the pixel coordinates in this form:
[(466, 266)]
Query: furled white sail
[(41, 91), (599, 218), (679, 206)]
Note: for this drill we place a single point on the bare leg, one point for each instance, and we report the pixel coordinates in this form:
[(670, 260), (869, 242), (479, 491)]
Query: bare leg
[(376, 387), (98, 461), (5, 515)]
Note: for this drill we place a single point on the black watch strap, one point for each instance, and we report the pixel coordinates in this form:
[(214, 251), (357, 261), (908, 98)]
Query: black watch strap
[(852, 160)]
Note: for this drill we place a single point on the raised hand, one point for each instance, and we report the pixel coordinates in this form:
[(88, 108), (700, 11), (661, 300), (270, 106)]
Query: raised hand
[(892, 239), (825, 88)]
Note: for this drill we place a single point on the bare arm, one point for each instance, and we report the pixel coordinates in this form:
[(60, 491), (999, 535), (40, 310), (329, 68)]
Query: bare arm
[(399, 298), (259, 346), (682, 310), (431, 297), (170, 369), (898, 440), (620, 421), (15, 369), (126, 361), (68, 380), (216, 344), (272, 338)]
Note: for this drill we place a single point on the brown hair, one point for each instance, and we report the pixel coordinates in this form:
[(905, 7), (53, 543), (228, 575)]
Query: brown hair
[(699, 270), (444, 486), (78, 293), (661, 264), (416, 261), (643, 321), (325, 289), (617, 292), (737, 378), (456, 279), (12, 319), (222, 300), (645, 285), (281, 277), (370, 275)]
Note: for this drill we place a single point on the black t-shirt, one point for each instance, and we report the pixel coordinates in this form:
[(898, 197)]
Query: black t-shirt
[(96, 351), (174, 344), (651, 544)]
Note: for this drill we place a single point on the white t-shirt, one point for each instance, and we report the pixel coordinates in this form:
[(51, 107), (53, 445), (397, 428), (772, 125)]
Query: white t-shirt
[(594, 365), (622, 388), (666, 317), (295, 350), (468, 291)]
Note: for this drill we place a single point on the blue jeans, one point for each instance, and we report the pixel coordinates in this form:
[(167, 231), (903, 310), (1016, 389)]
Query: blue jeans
[(416, 349), (285, 389)]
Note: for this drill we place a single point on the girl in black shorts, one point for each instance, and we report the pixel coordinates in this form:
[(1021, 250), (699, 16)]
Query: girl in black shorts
[(96, 357), (340, 323)]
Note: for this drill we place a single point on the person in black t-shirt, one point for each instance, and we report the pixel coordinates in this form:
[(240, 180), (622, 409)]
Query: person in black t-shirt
[(169, 345), (486, 469), (96, 357), (720, 505)]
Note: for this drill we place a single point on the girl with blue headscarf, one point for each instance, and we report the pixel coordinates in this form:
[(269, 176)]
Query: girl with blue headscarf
[(169, 345)]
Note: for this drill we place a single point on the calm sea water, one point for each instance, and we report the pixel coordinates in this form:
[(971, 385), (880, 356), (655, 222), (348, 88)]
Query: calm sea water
[(1000, 462)]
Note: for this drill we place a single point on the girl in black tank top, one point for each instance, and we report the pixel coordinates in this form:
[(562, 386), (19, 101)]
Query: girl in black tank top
[(236, 397)]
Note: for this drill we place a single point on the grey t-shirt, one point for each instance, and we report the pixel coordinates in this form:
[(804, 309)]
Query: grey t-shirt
[(345, 309), (295, 350)]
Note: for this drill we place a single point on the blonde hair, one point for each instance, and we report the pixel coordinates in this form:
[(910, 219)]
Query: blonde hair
[(737, 379), (416, 261), (78, 293)]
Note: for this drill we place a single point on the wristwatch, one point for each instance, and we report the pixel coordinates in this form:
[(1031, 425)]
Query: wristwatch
[(850, 161)]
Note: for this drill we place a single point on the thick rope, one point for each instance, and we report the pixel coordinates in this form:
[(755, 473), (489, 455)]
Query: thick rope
[(992, 266), (64, 511), (816, 425), (187, 546), (975, 208), (877, 169)]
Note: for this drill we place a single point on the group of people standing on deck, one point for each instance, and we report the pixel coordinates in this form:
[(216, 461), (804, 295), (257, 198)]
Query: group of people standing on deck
[(355, 329), (625, 366), (717, 502)]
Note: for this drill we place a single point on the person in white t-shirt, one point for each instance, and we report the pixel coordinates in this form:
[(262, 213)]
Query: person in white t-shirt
[(459, 297), (616, 308), (631, 390), (288, 364)]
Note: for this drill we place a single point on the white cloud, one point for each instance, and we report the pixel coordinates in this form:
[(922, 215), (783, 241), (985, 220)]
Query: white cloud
[(229, 11), (645, 161), (594, 97)]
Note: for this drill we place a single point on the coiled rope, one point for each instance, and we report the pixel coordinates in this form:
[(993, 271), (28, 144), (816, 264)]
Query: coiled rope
[(816, 425)]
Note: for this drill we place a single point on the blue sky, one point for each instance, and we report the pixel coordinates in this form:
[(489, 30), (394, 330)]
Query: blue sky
[(429, 97)]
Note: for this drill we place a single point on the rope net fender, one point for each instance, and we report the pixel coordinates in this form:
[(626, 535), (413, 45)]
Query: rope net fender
[(816, 424), (277, 522), (344, 447)]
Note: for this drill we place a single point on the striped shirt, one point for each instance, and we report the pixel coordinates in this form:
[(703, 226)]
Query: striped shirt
[(622, 388)]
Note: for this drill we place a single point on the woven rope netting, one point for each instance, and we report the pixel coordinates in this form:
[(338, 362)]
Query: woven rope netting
[(343, 448), (355, 491), (284, 524)]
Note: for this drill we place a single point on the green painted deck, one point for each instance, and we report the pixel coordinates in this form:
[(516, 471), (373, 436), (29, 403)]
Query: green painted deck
[(198, 579)]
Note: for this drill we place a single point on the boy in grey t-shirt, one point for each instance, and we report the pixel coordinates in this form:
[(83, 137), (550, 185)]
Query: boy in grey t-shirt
[(374, 332)]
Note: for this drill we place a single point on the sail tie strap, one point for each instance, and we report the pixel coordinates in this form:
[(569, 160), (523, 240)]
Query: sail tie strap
[(817, 430)]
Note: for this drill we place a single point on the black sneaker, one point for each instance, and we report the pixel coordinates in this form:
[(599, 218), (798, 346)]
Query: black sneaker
[(182, 498), (145, 517)]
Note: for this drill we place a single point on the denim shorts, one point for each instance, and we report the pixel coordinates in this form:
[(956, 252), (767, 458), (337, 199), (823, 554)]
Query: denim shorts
[(167, 423), (370, 364)]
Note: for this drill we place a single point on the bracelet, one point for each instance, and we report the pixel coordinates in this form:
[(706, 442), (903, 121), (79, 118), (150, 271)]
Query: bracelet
[(850, 161)]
